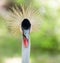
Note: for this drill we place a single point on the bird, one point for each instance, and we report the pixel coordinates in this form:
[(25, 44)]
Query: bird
[(21, 18)]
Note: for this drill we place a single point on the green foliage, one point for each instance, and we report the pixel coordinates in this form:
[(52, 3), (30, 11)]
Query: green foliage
[(9, 46)]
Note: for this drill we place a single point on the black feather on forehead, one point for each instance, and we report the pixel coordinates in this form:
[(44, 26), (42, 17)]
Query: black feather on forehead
[(26, 24)]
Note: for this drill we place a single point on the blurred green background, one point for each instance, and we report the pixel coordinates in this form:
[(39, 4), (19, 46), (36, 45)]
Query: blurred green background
[(45, 44)]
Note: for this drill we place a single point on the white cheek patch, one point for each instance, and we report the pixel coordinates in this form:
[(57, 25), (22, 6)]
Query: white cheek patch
[(26, 38)]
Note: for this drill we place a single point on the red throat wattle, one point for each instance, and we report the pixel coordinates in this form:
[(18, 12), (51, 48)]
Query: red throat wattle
[(26, 43)]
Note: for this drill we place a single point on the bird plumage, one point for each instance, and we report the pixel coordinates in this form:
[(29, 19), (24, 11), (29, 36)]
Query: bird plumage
[(15, 13)]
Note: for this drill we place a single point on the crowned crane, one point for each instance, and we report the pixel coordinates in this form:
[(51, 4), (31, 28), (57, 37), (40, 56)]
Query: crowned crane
[(19, 17)]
